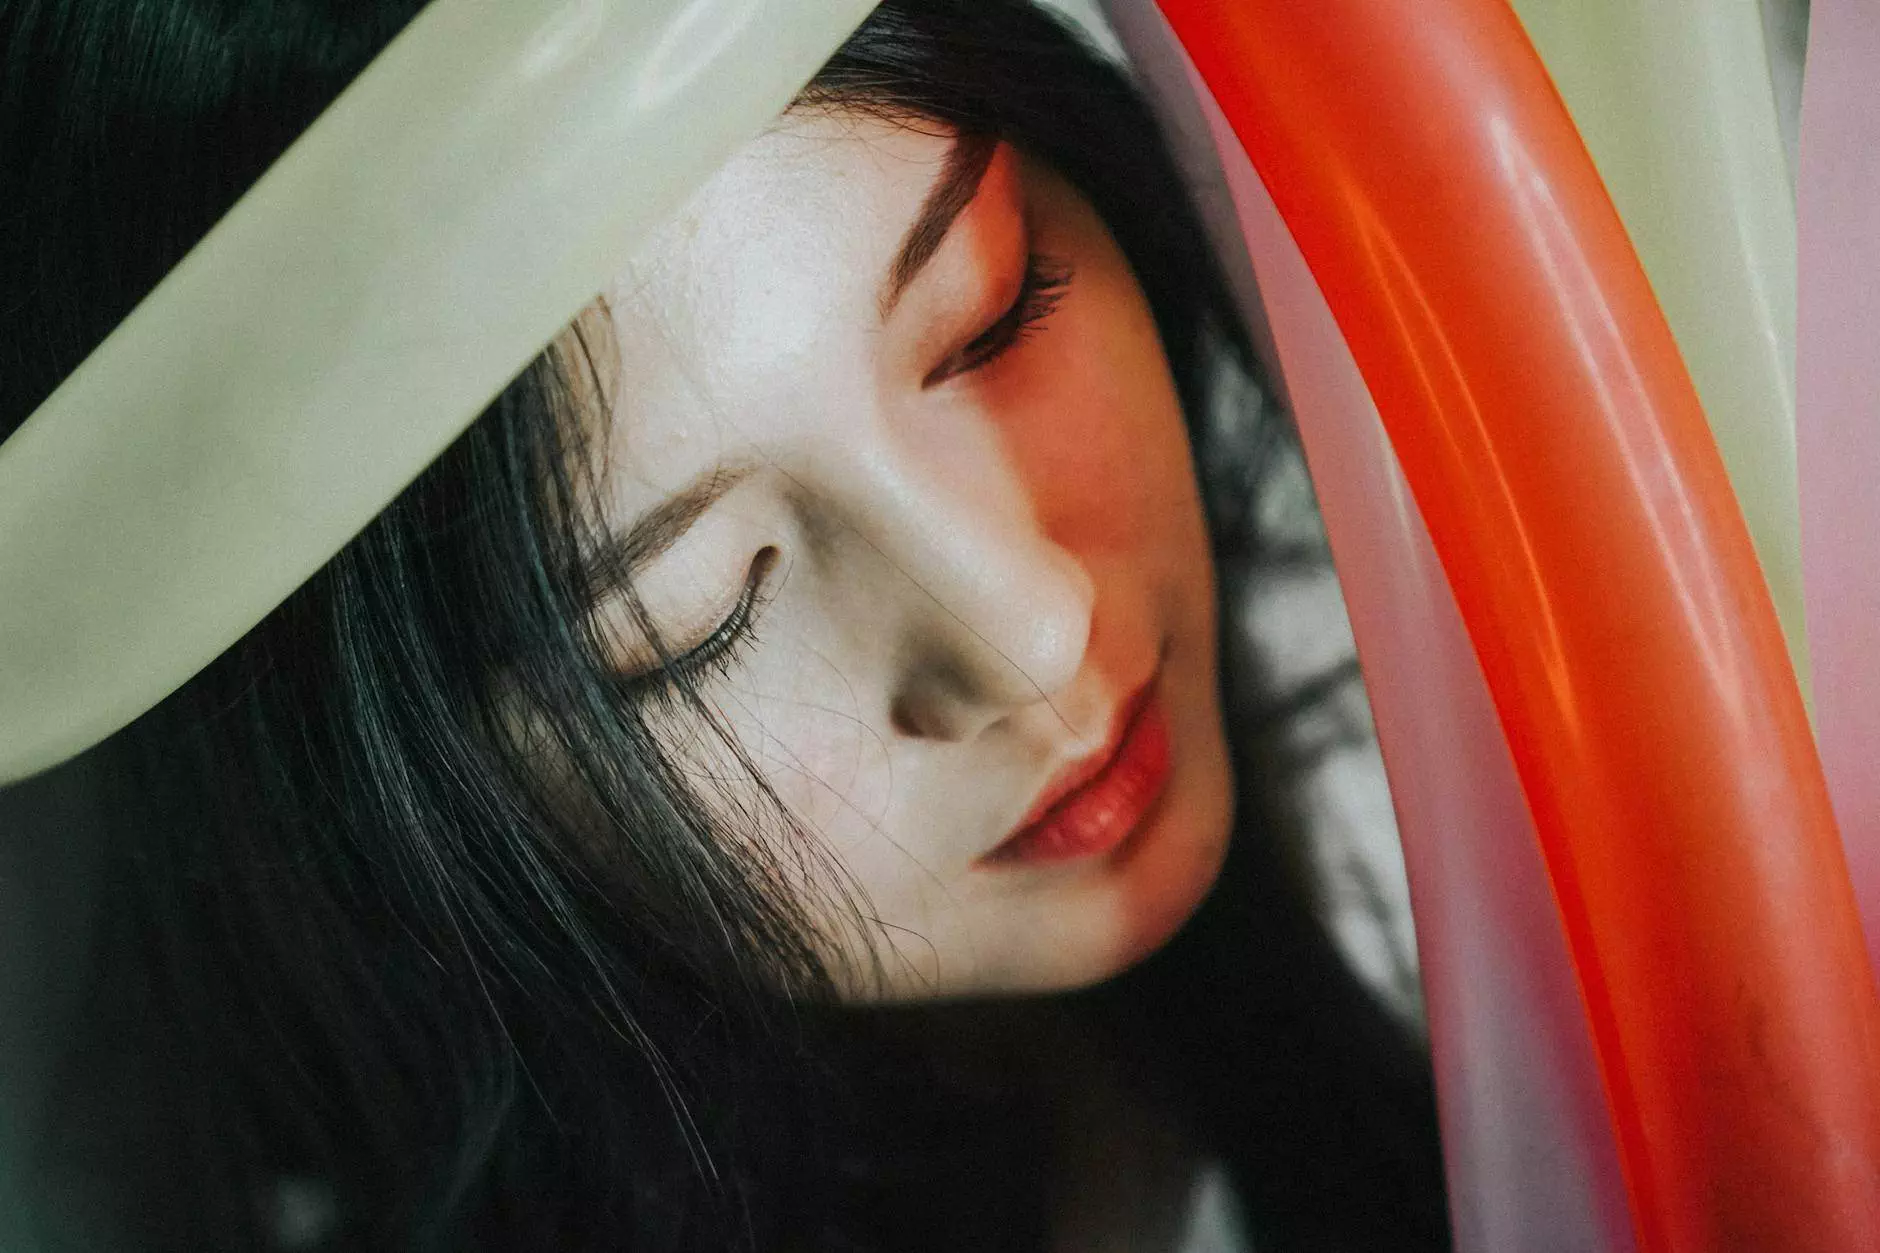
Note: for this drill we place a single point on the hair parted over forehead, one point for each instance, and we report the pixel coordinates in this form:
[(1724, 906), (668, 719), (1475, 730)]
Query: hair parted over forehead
[(352, 938)]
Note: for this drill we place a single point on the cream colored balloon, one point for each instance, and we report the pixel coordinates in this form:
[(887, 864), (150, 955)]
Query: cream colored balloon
[(1675, 101), (429, 234)]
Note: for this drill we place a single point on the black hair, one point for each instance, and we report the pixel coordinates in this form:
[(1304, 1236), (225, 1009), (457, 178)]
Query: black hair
[(354, 947)]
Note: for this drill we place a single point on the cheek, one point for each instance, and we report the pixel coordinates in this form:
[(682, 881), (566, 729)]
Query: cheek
[(834, 823), (805, 737), (1098, 431), (832, 772)]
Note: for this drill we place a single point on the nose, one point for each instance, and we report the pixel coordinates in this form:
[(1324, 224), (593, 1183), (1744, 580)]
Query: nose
[(987, 615)]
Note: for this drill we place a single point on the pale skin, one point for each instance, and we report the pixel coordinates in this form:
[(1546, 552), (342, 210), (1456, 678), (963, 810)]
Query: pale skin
[(956, 564)]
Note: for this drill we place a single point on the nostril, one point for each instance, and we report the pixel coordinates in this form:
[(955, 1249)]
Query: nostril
[(905, 717), (930, 706), (945, 704)]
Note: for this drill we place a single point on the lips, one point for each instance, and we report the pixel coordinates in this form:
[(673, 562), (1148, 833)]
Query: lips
[(1094, 806)]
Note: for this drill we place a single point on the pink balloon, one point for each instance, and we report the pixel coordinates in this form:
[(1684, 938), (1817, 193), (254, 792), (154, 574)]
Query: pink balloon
[(1837, 420), (1527, 1138)]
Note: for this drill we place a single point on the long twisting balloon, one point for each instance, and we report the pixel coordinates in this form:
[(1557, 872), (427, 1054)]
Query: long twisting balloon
[(1526, 1136), (1837, 417), (345, 321), (1674, 100), (1554, 443)]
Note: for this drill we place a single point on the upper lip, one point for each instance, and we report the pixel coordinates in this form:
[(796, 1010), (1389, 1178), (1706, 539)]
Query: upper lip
[(1075, 775)]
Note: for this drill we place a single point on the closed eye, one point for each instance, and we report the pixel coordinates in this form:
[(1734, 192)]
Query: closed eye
[(1043, 287), (719, 649)]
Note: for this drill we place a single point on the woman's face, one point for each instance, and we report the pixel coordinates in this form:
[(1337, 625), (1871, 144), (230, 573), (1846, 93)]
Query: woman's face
[(898, 466)]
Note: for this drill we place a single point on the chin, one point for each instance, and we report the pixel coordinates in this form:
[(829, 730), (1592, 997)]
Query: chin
[(1081, 923), (1082, 933), (1168, 868), (1145, 892), (1168, 877)]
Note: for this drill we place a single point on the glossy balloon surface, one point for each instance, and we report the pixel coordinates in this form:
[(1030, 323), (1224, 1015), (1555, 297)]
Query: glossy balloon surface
[(1527, 1140), (1675, 101), (1526, 1135), (402, 261), (1558, 453)]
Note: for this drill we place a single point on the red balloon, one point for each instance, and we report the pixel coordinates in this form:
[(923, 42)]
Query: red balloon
[(1555, 446)]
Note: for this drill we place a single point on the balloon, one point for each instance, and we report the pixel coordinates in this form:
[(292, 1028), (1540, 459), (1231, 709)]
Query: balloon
[(1838, 418), (1675, 102), (1574, 494), (431, 231), (1526, 1134)]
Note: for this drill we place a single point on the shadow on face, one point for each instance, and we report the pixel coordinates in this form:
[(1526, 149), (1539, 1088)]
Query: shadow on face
[(903, 486)]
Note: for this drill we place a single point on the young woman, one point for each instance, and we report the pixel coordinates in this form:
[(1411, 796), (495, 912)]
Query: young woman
[(638, 836)]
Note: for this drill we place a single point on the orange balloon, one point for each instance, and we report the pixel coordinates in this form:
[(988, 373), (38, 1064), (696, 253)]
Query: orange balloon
[(1557, 449)]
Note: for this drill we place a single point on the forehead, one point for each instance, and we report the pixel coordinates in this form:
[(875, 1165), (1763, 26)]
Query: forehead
[(798, 228), (761, 296)]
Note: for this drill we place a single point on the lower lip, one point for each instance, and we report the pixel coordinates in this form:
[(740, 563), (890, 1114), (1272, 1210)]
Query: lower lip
[(1100, 815)]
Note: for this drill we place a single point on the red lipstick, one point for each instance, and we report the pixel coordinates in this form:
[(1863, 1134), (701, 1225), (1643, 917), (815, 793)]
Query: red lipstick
[(1098, 802)]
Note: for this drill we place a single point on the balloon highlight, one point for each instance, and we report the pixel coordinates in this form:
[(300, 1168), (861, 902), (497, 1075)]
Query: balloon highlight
[(1573, 491), (1674, 100)]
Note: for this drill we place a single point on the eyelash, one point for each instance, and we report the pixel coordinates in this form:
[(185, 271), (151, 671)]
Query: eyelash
[(1043, 288), (719, 650), (1044, 285)]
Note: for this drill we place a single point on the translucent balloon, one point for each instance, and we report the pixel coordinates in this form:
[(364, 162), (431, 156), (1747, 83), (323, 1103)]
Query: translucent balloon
[(1526, 1133), (1574, 494), (1527, 1137), (431, 231), (1675, 102), (1838, 419)]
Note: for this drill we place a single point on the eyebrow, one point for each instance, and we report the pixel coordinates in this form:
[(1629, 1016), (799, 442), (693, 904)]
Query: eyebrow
[(958, 183), (618, 554)]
